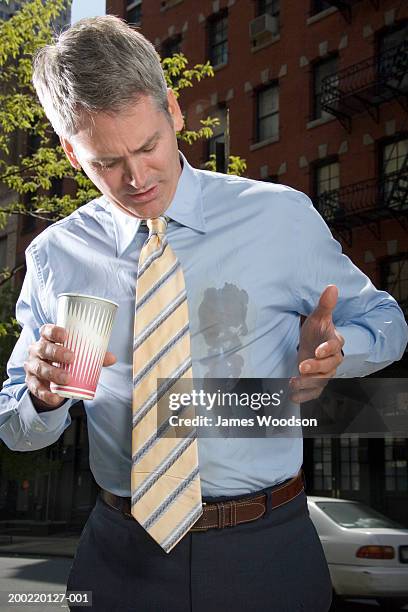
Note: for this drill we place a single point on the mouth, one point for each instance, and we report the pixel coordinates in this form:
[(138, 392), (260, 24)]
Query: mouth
[(146, 196)]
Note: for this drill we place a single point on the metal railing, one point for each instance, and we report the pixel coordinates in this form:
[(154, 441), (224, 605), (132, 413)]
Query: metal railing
[(366, 200), (367, 83)]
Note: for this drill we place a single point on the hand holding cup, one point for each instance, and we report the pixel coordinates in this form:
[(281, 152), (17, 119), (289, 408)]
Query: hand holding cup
[(40, 371)]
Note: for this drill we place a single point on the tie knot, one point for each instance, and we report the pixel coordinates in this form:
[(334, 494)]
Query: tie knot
[(157, 226)]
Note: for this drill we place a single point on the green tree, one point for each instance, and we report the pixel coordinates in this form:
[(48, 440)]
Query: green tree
[(31, 176)]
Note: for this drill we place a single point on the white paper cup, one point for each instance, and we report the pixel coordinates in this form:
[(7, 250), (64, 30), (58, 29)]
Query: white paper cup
[(88, 321)]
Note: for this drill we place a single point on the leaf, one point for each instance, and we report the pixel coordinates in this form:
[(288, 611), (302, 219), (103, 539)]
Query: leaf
[(29, 179)]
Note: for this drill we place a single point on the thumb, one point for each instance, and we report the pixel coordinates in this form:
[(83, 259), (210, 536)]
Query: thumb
[(110, 359), (328, 300)]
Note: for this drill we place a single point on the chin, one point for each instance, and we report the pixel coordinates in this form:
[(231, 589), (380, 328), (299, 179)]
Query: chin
[(147, 212)]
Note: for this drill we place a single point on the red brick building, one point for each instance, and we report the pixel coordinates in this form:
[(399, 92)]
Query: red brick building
[(316, 93)]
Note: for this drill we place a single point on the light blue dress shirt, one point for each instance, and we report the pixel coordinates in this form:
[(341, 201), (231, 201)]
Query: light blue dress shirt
[(255, 256)]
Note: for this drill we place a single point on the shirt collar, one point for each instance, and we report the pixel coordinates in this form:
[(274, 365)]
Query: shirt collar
[(186, 208)]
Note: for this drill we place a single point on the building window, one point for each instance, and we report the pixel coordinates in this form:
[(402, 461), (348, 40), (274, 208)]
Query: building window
[(394, 37), (395, 280), (134, 12), (321, 70), (327, 177), (349, 464), (270, 7), (322, 464), (267, 113), (3, 253), (394, 156), (171, 46), (218, 39), (218, 131), (396, 464), (394, 170), (320, 5), (390, 69), (326, 188)]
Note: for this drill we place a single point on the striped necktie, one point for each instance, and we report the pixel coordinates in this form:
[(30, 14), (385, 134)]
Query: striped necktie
[(165, 481)]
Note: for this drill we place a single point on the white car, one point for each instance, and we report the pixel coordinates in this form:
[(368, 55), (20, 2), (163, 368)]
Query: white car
[(367, 552)]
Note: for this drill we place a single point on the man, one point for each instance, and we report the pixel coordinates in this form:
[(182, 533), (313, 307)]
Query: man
[(254, 258)]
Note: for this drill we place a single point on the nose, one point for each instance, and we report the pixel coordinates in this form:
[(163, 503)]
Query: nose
[(135, 174)]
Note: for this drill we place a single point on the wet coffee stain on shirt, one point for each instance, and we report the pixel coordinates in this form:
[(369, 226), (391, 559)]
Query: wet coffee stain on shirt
[(223, 322)]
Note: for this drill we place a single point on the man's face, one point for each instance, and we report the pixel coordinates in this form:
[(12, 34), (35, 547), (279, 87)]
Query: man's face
[(132, 156)]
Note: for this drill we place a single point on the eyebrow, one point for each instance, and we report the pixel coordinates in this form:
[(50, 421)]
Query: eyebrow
[(110, 158)]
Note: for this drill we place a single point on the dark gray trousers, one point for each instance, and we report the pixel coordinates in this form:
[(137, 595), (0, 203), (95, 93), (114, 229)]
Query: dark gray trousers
[(273, 564)]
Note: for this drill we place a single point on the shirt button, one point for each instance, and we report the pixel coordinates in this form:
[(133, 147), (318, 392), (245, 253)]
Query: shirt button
[(28, 443), (38, 428)]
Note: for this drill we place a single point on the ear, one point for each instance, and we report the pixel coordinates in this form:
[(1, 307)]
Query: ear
[(175, 111), (69, 152)]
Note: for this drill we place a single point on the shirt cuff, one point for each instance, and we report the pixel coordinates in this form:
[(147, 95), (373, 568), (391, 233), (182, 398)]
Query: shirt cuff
[(50, 420), (357, 347)]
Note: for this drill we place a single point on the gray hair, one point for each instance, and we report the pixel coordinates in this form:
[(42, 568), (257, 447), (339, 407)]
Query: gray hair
[(98, 64)]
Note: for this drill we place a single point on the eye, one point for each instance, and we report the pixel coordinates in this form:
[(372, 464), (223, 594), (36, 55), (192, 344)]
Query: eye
[(105, 165), (149, 148)]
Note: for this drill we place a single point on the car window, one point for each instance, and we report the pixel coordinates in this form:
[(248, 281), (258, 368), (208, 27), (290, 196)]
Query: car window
[(354, 515)]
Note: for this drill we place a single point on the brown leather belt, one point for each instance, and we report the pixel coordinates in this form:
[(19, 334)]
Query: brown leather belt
[(228, 513)]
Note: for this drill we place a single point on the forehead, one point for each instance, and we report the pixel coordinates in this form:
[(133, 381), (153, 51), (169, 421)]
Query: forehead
[(129, 127)]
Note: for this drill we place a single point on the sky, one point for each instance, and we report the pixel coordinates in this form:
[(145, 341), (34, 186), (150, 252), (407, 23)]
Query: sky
[(86, 8)]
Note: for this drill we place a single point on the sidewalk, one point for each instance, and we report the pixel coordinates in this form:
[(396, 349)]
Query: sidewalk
[(45, 546)]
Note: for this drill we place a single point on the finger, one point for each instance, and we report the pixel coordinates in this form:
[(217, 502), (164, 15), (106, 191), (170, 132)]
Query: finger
[(44, 371), (109, 359), (49, 351), (313, 367), (42, 391), (328, 300), (53, 333), (329, 347)]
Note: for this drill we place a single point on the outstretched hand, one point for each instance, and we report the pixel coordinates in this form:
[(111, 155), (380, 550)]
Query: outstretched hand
[(320, 349)]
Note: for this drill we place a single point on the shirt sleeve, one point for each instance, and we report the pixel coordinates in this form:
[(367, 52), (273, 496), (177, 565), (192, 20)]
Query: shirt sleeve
[(371, 322), (21, 427)]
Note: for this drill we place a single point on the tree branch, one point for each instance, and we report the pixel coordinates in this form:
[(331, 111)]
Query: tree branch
[(10, 211), (10, 274)]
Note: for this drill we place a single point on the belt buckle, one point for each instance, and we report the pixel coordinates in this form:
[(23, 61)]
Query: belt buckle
[(200, 528)]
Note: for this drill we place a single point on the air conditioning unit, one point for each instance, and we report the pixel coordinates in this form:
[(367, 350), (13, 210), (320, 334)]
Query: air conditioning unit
[(264, 24)]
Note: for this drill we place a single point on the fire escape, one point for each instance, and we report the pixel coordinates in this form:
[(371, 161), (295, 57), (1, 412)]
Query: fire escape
[(367, 203), (364, 86)]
